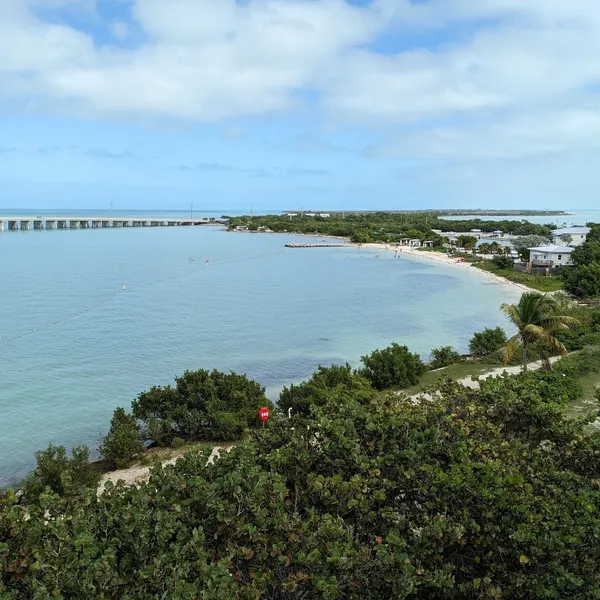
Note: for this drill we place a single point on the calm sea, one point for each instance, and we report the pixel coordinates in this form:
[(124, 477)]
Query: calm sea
[(75, 344), (574, 218)]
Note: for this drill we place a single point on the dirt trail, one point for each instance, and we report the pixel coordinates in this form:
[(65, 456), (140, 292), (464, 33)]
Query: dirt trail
[(468, 381), (137, 475)]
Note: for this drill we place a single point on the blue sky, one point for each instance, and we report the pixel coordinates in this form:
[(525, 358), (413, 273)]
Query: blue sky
[(288, 103)]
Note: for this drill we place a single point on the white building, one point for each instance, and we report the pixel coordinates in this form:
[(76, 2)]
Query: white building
[(550, 256), (578, 235)]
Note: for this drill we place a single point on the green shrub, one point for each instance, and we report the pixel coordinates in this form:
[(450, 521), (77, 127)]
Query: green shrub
[(582, 363), (503, 262), (582, 281), (122, 444), (394, 366), (487, 341), (64, 475), (203, 405), (318, 389), (227, 426), (444, 357), (484, 493), (177, 442), (561, 385)]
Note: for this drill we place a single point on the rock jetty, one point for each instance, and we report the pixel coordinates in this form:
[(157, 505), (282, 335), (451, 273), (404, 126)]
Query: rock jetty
[(315, 245)]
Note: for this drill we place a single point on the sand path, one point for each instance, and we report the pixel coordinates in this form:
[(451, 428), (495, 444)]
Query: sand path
[(471, 383), (137, 475)]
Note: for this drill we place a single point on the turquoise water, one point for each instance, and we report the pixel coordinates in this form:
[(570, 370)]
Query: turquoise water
[(75, 344), (575, 217)]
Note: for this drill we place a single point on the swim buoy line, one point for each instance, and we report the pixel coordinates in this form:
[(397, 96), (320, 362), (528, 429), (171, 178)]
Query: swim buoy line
[(142, 287)]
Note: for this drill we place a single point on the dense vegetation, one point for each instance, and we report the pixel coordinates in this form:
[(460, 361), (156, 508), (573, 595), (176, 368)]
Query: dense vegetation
[(583, 279), (363, 493), (202, 405), (537, 318), (60, 474), (542, 283), (394, 366), (443, 357), (384, 226), (122, 444), (338, 379), (486, 493), (488, 341)]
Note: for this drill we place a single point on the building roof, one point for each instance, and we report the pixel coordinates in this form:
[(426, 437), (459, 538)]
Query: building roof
[(571, 231), (553, 249)]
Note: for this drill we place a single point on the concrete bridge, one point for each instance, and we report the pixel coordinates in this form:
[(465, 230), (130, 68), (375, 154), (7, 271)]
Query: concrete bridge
[(40, 223)]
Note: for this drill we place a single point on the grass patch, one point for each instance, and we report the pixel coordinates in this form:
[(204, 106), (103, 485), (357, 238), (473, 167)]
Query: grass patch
[(459, 371), (540, 283), (587, 402)]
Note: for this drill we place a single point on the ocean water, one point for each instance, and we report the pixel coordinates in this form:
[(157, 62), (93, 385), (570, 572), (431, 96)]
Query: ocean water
[(574, 218), (75, 344)]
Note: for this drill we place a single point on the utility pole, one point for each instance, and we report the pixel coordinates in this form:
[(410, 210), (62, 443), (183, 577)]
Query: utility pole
[(192, 211), (111, 207)]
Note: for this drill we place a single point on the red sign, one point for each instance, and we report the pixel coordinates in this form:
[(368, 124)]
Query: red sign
[(263, 413)]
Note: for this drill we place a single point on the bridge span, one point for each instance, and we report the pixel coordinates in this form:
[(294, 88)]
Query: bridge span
[(41, 223)]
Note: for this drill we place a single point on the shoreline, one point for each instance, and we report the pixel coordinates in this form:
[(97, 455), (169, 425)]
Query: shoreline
[(439, 257), (443, 258)]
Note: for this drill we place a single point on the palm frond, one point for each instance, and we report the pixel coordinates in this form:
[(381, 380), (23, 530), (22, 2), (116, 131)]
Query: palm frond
[(558, 345), (533, 332), (563, 319), (511, 348), (512, 312)]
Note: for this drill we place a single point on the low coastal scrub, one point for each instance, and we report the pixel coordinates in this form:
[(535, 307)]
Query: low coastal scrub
[(318, 389), (583, 279), (541, 283), (122, 444), (487, 342), (58, 473), (474, 493), (394, 366), (386, 227), (362, 494), (444, 357), (203, 405)]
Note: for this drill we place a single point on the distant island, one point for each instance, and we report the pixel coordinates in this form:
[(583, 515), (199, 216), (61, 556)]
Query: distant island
[(451, 212)]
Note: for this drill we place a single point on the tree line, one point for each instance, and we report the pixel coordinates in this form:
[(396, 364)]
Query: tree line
[(362, 494), (583, 279), (384, 226)]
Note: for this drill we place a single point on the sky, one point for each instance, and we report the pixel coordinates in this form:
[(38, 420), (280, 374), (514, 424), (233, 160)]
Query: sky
[(285, 104)]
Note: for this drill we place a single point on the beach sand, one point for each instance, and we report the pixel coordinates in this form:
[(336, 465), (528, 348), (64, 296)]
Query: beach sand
[(442, 257), (137, 474)]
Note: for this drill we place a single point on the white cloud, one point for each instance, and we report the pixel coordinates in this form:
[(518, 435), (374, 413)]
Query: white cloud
[(522, 83), (119, 29)]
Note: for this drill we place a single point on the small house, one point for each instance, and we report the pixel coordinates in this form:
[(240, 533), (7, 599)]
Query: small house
[(550, 256), (577, 235)]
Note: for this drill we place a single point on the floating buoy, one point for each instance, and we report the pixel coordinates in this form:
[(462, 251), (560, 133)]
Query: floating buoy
[(124, 287)]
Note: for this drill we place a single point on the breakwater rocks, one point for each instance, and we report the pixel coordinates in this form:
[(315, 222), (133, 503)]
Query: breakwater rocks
[(315, 245)]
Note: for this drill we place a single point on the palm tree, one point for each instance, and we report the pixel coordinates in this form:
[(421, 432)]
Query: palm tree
[(537, 317)]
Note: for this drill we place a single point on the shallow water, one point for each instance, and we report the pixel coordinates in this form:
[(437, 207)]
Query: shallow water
[(257, 308), (574, 218)]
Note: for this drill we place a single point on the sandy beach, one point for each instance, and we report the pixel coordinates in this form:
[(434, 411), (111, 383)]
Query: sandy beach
[(414, 253), (442, 257)]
